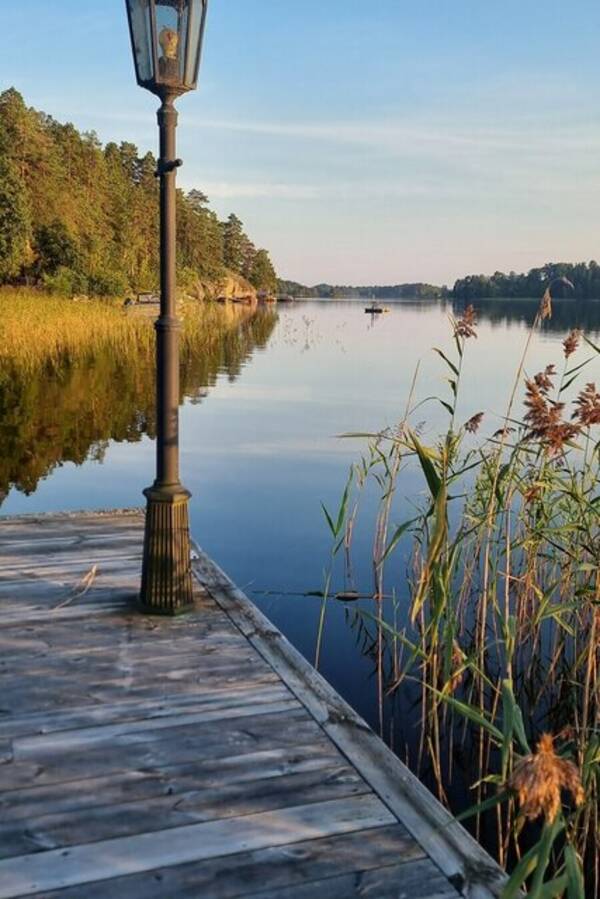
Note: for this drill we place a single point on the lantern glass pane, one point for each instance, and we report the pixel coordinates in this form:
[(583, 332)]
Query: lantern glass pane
[(139, 17), (171, 35), (196, 13)]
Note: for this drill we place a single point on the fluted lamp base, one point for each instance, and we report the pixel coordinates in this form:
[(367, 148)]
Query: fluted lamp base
[(167, 570)]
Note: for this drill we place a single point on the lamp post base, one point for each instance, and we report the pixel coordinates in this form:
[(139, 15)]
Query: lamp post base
[(167, 571)]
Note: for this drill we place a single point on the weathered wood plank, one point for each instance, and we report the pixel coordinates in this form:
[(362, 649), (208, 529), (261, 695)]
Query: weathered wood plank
[(59, 524), (100, 821), (32, 658), (181, 745), (109, 667), (73, 695), (167, 707), (33, 802), (276, 868), (412, 880), (109, 604), (15, 565), (46, 692), (45, 545), (83, 739), (57, 869), (94, 635)]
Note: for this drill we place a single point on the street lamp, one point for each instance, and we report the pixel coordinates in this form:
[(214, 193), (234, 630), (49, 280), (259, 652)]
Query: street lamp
[(166, 37)]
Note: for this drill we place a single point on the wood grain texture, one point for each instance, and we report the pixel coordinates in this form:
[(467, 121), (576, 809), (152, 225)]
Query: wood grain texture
[(276, 868), (55, 869), (176, 808)]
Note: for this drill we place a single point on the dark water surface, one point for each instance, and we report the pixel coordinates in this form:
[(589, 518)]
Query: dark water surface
[(259, 445)]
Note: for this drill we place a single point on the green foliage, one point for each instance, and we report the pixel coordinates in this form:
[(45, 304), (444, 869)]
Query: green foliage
[(584, 277), (65, 282), (14, 222), (54, 248), (262, 275), (107, 284), (79, 217), (393, 291), (238, 250)]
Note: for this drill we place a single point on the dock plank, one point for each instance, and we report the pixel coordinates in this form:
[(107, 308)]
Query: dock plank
[(276, 868), (200, 756), (33, 802), (175, 809), (55, 869)]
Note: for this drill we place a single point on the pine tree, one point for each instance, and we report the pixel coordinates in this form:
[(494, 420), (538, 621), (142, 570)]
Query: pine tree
[(263, 275)]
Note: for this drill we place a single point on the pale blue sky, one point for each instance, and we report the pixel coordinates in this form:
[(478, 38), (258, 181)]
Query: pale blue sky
[(361, 142)]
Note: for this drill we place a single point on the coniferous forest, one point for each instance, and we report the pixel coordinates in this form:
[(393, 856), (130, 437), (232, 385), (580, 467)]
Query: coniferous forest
[(77, 217), (584, 277)]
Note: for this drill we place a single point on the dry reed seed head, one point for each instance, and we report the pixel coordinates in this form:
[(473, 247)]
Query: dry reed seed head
[(588, 406), (571, 343), (472, 426), (465, 326), (539, 778), (546, 305), (543, 379), (504, 432), (544, 416)]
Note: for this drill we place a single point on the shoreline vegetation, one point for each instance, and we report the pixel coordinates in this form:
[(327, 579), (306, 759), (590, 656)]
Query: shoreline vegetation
[(39, 330), (483, 615), (585, 278)]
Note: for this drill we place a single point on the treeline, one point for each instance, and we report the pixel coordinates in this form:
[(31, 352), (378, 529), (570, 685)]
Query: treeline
[(77, 217), (585, 278), (396, 291)]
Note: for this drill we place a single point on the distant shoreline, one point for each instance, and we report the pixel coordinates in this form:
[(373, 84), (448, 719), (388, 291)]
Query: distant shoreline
[(584, 278)]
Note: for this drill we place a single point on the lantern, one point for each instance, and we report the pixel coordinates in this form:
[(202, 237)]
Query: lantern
[(166, 37)]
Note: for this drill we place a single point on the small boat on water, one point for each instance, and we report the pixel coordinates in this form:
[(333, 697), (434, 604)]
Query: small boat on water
[(376, 310)]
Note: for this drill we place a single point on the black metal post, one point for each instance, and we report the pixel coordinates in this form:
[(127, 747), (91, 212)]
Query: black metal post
[(166, 573)]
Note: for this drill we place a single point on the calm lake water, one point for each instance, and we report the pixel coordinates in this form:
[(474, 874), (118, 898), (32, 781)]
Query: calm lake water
[(260, 445)]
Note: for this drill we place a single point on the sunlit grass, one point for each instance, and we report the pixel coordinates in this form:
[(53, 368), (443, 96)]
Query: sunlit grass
[(38, 330)]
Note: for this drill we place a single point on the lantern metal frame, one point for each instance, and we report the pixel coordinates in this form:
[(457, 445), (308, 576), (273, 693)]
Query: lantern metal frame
[(157, 84)]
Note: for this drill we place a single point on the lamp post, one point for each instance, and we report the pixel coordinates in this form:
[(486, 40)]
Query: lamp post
[(166, 37)]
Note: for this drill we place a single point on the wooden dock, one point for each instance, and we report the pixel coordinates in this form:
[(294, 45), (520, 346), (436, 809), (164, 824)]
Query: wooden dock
[(193, 757)]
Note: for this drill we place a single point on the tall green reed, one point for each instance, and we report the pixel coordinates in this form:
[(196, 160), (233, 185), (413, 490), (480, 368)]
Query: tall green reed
[(500, 606)]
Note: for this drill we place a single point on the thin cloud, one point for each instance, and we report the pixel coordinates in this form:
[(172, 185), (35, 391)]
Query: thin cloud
[(226, 190), (441, 138)]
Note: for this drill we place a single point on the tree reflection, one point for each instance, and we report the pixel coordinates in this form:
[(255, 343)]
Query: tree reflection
[(566, 313), (71, 414)]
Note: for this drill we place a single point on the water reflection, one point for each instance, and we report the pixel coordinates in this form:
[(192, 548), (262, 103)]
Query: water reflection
[(504, 313), (71, 415), (566, 313)]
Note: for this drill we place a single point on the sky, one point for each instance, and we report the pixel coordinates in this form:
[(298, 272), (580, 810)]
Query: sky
[(360, 142)]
